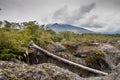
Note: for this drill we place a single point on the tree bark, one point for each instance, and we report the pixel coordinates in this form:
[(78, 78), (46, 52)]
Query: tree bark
[(33, 45)]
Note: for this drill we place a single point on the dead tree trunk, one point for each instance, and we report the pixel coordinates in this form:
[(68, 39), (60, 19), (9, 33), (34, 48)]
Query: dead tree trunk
[(33, 45)]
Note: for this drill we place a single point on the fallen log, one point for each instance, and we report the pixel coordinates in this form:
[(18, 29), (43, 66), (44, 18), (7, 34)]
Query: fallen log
[(33, 45)]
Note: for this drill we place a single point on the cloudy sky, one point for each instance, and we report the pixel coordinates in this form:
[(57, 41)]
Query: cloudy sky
[(96, 15)]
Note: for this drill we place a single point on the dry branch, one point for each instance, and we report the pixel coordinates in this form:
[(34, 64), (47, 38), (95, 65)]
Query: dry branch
[(33, 45)]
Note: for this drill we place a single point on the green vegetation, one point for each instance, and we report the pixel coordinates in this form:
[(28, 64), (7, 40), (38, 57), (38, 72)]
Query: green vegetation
[(14, 38), (100, 53)]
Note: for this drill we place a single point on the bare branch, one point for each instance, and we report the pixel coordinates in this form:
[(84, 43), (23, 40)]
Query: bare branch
[(33, 45)]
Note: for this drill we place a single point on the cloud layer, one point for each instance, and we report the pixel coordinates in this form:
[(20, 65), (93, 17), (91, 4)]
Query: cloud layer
[(66, 16), (96, 15)]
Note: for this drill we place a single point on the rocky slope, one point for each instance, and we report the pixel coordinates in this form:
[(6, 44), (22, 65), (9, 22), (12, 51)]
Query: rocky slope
[(102, 56), (46, 71)]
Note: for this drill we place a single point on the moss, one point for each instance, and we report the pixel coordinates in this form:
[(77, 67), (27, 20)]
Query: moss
[(99, 53), (68, 78)]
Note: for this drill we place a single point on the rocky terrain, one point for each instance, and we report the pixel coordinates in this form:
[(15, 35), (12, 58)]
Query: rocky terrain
[(39, 66)]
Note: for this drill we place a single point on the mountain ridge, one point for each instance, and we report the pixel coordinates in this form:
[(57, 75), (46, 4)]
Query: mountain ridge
[(58, 27)]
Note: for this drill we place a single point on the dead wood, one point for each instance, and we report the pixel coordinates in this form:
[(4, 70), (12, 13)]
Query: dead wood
[(33, 45)]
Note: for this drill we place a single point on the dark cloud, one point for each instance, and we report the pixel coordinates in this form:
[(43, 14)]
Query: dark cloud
[(111, 3), (85, 9), (61, 13), (70, 17), (79, 16), (91, 22), (93, 25)]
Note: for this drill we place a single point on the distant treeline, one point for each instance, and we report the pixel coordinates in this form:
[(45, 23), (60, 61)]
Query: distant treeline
[(14, 37)]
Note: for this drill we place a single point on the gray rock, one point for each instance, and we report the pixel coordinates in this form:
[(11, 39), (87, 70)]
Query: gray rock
[(59, 73), (112, 55), (55, 47), (104, 57), (46, 71), (15, 60)]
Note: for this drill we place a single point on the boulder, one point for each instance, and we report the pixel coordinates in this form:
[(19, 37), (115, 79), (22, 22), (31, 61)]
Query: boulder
[(104, 57), (55, 47), (83, 51), (59, 73), (45, 71), (109, 77), (112, 55)]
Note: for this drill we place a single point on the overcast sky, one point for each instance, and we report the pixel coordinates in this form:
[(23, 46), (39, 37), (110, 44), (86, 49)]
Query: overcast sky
[(96, 15)]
